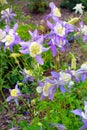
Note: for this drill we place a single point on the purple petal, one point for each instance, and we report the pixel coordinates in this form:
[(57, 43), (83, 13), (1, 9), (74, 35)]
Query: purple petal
[(85, 38), (40, 83), (85, 121), (49, 25), (61, 127), (16, 86), (77, 79), (83, 77), (62, 89), (39, 59), (51, 92), (53, 48), (42, 97), (15, 27), (51, 5), (16, 101), (54, 74), (35, 33), (26, 51), (9, 98), (83, 127), (40, 40), (77, 112)]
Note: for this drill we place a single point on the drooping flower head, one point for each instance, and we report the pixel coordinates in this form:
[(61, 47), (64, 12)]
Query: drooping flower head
[(27, 75), (83, 115), (14, 94), (11, 38), (55, 12), (34, 48), (7, 15)]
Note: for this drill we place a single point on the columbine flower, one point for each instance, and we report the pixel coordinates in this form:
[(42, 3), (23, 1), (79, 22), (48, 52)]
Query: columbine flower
[(11, 37), (2, 35), (79, 8), (83, 115), (59, 29), (58, 35), (81, 73), (27, 75), (7, 15), (55, 12), (47, 88), (14, 94), (3, 2), (34, 48)]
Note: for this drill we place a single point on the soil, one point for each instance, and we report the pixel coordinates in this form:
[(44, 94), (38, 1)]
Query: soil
[(37, 18)]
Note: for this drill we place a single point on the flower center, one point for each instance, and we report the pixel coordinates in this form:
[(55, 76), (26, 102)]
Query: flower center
[(14, 92), (35, 49), (65, 77), (59, 30), (9, 40), (45, 89), (56, 12)]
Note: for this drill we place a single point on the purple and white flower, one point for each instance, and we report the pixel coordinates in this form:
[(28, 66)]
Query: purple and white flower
[(55, 12), (14, 94), (34, 48), (11, 38), (7, 15), (83, 115), (58, 35), (47, 88), (27, 75)]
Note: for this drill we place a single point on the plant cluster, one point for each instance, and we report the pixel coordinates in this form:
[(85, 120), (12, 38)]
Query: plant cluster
[(27, 60)]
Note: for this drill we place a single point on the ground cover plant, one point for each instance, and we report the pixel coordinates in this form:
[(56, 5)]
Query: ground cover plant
[(43, 80)]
